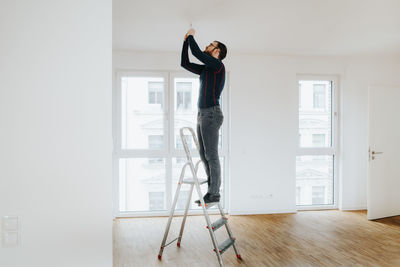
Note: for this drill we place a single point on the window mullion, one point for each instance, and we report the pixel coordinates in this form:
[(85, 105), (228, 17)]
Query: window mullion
[(170, 136)]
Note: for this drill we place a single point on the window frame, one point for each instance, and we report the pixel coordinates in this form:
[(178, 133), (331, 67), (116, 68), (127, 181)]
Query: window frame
[(329, 151), (168, 152)]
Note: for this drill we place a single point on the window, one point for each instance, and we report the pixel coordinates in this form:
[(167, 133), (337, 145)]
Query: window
[(155, 141), (156, 93), (183, 95), (155, 161), (182, 200), (139, 182), (181, 160), (314, 171), (318, 146), (179, 144), (151, 108), (156, 200), (137, 119), (318, 195), (177, 167), (319, 96), (315, 124), (318, 140)]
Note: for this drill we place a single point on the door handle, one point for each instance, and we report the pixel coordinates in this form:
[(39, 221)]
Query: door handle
[(375, 153)]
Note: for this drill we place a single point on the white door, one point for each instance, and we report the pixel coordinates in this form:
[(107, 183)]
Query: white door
[(383, 199)]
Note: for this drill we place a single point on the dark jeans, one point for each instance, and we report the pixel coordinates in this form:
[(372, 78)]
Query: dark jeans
[(209, 120)]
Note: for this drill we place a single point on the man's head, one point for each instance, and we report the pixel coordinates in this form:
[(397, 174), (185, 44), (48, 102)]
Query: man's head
[(216, 49)]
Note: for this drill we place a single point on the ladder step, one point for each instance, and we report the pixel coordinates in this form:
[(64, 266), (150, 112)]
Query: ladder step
[(209, 205), (191, 181), (217, 224), (225, 245)]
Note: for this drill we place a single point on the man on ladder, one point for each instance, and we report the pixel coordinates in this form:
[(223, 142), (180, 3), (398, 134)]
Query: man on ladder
[(212, 78), (209, 117)]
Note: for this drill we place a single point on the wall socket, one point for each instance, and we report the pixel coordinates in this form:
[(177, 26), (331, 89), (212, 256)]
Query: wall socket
[(10, 237), (262, 196)]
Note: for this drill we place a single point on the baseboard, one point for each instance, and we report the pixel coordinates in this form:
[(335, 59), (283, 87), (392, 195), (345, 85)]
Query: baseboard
[(254, 212), (353, 208)]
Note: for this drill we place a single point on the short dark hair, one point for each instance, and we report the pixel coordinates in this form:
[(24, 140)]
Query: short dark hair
[(222, 50)]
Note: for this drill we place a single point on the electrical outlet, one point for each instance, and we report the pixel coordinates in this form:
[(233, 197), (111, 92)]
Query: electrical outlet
[(10, 223), (262, 196), (10, 239), (10, 232)]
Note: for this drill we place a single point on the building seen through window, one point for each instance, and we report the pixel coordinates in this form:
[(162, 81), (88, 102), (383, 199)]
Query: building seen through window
[(156, 93), (184, 95)]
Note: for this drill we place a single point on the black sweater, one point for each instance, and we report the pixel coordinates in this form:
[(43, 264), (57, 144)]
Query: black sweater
[(212, 73)]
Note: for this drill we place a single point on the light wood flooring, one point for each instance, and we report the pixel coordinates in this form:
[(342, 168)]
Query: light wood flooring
[(306, 238)]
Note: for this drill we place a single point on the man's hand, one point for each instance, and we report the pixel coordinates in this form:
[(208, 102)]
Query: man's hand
[(190, 32)]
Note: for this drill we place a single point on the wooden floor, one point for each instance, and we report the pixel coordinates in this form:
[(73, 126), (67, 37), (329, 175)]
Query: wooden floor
[(306, 238)]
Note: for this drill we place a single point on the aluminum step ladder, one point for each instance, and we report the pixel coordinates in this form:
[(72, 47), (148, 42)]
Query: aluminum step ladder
[(219, 249)]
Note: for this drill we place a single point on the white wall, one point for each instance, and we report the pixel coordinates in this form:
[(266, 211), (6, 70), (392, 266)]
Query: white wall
[(55, 131), (264, 129), (264, 119), (360, 73)]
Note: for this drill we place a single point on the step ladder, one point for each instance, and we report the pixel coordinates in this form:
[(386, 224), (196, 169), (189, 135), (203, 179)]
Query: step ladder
[(219, 249)]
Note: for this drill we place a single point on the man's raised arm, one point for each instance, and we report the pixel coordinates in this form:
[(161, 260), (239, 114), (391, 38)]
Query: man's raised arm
[(202, 56), (186, 64)]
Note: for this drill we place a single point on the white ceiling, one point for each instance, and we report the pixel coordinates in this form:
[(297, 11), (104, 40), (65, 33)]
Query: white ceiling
[(281, 27)]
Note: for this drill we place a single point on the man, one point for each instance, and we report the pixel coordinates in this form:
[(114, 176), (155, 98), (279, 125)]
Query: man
[(209, 116)]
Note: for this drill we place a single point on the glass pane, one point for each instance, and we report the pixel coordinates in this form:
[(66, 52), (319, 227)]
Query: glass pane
[(186, 93), (315, 113), (314, 180), (155, 141), (319, 92), (177, 164), (189, 142), (142, 184), (142, 112)]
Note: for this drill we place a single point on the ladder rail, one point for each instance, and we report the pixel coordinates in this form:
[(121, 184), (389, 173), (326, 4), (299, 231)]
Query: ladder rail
[(184, 139), (185, 216), (186, 147), (187, 207), (171, 213)]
